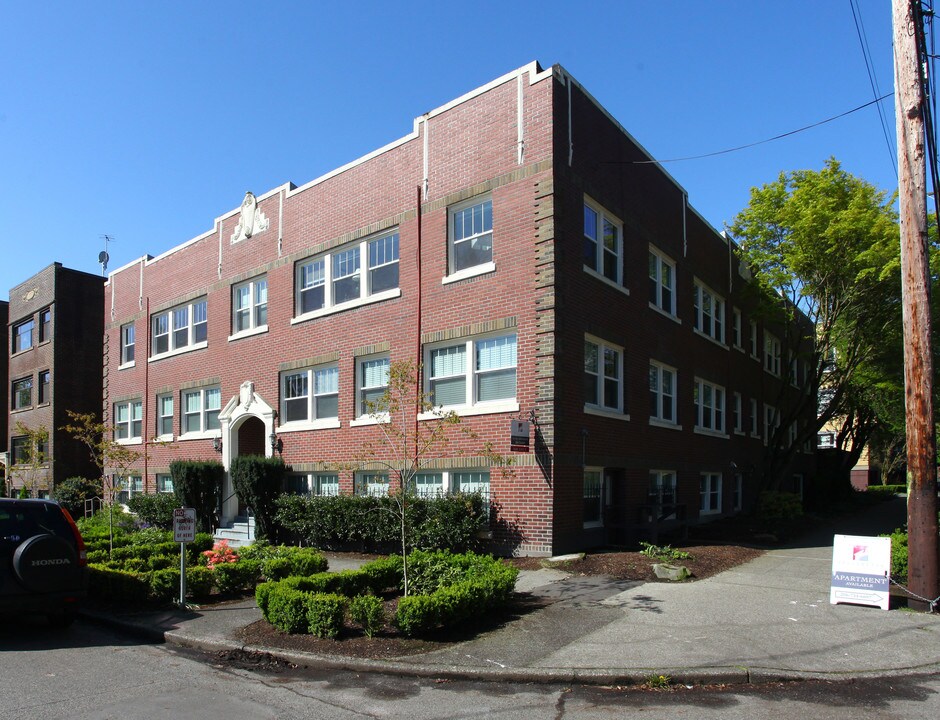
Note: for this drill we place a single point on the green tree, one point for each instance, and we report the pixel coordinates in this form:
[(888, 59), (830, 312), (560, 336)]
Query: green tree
[(31, 470), (406, 446), (826, 243), (112, 459)]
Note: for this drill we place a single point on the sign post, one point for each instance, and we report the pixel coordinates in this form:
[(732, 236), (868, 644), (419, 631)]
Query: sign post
[(184, 531), (860, 568)]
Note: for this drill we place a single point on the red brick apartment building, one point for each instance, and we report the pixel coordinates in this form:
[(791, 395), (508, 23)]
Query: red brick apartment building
[(53, 366), (511, 244)]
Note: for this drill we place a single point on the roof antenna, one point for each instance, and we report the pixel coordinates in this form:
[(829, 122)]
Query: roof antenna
[(103, 256)]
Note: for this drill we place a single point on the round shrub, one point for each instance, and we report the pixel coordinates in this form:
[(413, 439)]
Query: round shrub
[(276, 568), (287, 610), (199, 582), (165, 584), (325, 614), (367, 611)]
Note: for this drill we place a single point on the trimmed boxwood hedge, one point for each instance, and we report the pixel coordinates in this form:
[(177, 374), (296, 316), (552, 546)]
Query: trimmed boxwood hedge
[(467, 586), (450, 522)]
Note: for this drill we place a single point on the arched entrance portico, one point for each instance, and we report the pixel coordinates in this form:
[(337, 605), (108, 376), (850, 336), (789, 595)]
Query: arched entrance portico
[(247, 421)]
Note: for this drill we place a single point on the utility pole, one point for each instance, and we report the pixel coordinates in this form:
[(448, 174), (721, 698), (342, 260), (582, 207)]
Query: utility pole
[(909, 99)]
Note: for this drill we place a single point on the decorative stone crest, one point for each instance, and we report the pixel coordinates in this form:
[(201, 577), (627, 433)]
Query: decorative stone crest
[(251, 220), (246, 394)]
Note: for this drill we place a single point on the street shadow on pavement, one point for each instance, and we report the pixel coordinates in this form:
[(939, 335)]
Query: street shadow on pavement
[(34, 633)]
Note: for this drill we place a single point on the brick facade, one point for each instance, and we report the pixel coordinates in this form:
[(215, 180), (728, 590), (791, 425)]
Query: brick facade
[(54, 350), (509, 144)]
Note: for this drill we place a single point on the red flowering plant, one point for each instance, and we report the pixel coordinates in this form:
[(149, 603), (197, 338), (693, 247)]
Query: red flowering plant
[(220, 553)]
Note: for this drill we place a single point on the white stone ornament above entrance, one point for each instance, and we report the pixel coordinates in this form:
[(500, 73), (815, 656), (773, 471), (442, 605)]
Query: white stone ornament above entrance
[(251, 221)]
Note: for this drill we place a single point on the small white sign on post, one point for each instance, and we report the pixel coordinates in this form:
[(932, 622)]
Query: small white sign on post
[(184, 525), (860, 568), (184, 531)]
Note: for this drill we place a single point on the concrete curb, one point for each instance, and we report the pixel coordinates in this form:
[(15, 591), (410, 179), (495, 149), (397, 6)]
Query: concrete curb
[(718, 675)]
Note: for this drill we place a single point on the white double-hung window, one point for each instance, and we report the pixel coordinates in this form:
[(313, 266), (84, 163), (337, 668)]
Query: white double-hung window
[(371, 384), (709, 406), (128, 421), (311, 396), (603, 375), (180, 328), (662, 272), (201, 411), (470, 237), (603, 242), (709, 493), (473, 375), (337, 280), (250, 305), (709, 308), (662, 393)]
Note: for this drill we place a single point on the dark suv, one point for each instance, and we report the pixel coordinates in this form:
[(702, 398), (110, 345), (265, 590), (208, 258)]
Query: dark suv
[(43, 568)]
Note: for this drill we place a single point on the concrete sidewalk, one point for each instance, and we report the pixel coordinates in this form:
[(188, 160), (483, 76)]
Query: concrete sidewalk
[(766, 620)]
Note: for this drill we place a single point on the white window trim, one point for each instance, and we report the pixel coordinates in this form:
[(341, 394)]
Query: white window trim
[(772, 360), (489, 266), (130, 439), (659, 420), (252, 329), (599, 409), (711, 491), (362, 417), (699, 428), (659, 484), (474, 406), (171, 330), (738, 405), (698, 289), (130, 363), (182, 351), (469, 272), (363, 473), (675, 318), (737, 329), (663, 259), (329, 307), (308, 424), (202, 434), (603, 214), (770, 427), (655, 422), (165, 437)]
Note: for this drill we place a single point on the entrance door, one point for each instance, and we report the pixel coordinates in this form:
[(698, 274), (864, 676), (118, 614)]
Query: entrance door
[(251, 441)]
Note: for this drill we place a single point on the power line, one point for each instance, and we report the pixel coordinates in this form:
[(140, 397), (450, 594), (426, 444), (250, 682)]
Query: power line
[(760, 142), (873, 80)]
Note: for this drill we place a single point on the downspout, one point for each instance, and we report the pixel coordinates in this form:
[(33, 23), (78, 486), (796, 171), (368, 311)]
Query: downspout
[(520, 119), (146, 410), (685, 212), (220, 248), (418, 373)]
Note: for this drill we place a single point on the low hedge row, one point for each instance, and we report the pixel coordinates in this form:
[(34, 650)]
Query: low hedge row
[(136, 579), (466, 586), (888, 489), (375, 577), (451, 522), (486, 584)]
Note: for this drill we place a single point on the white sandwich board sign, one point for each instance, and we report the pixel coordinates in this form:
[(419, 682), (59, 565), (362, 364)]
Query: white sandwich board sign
[(860, 567)]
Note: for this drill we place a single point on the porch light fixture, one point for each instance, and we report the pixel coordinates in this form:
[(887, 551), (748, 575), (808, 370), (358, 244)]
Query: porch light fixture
[(217, 444), (276, 445)]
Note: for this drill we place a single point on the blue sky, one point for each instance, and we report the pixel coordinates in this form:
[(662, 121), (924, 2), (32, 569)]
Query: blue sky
[(147, 121)]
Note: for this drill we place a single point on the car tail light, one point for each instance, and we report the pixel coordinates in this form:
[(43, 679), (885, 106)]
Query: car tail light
[(82, 555)]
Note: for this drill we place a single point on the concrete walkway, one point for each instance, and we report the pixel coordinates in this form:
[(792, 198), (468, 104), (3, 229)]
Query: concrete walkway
[(765, 620)]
